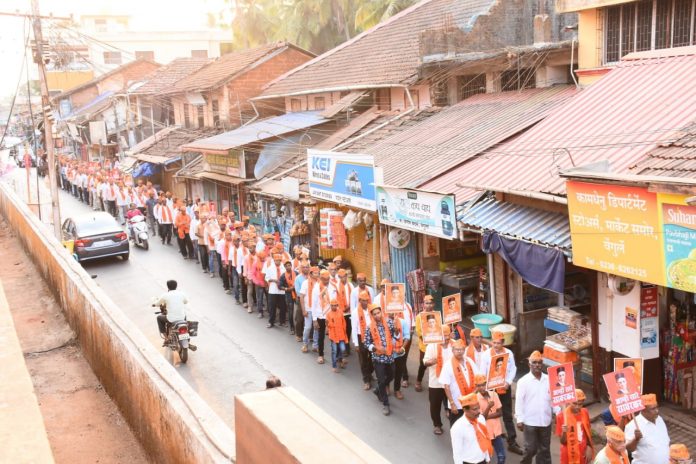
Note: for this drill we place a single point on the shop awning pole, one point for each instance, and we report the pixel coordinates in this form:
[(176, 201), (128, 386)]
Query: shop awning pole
[(374, 255)]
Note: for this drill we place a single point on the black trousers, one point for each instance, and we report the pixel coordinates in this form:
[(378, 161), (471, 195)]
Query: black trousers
[(226, 275), (203, 256), (322, 334), (506, 403), (437, 400), (349, 331), (165, 232), (298, 318), (421, 366), (276, 304), (188, 247), (399, 371), (385, 374), (366, 367), (162, 323), (111, 208), (537, 442)]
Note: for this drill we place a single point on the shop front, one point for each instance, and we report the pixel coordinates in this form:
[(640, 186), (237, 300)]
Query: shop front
[(639, 236)]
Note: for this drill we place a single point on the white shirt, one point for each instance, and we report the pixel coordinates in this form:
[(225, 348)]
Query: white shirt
[(106, 192), (355, 323), (431, 355), (122, 197), (533, 401), (241, 253), (465, 447), (319, 311), (160, 215), (273, 273), (653, 448), (304, 293), (511, 370), (447, 378), (175, 301), (354, 296), (194, 226)]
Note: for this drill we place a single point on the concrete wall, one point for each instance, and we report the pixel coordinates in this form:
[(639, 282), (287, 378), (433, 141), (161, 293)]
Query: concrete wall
[(160, 407), (282, 426)]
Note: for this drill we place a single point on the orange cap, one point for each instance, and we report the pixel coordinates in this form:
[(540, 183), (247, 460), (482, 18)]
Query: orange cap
[(364, 295), (498, 335), (479, 379), (458, 344), (428, 298), (333, 301), (446, 330), (475, 333), (314, 269), (338, 258), (679, 451), (580, 395), (536, 356), (615, 433), (469, 400), (341, 273), (324, 273), (649, 399), (374, 306)]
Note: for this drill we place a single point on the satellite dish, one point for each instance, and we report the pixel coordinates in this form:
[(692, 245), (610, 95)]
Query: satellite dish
[(399, 238)]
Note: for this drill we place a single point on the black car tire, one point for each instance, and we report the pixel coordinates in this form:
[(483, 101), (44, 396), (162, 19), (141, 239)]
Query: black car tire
[(126, 256)]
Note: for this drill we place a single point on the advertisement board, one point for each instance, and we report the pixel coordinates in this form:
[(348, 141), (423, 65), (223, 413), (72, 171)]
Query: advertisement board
[(419, 211), (343, 178)]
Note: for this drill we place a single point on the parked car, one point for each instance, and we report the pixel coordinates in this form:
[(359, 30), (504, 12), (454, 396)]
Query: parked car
[(96, 235)]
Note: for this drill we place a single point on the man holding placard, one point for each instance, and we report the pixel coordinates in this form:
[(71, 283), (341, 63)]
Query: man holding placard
[(646, 435), (562, 381), (573, 428), (435, 358), (491, 410), (457, 378)]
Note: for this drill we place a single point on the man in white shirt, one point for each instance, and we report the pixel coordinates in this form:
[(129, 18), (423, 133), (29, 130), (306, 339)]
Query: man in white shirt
[(122, 201), (175, 302), (505, 393), (470, 443), (360, 316), (109, 196), (276, 296), (460, 382), (361, 279), (195, 220), (321, 300), (165, 218), (646, 434), (435, 357), (533, 412), (307, 289)]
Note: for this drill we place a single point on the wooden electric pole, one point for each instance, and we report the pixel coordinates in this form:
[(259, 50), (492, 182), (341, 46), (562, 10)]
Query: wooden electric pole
[(47, 115)]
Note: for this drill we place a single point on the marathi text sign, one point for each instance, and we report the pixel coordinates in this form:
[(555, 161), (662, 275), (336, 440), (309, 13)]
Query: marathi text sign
[(344, 178), (623, 391), (562, 384), (425, 212)]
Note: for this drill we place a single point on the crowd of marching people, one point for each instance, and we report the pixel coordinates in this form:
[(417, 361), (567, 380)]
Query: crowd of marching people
[(315, 304)]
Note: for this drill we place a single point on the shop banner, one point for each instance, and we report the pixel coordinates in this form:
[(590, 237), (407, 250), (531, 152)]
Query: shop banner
[(635, 365), (395, 298), (562, 382), (419, 211), (648, 317), (497, 371), (623, 391), (343, 178), (452, 308), (679, 231), (431, 327)]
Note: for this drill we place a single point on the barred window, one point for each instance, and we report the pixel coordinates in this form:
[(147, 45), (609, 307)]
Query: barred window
[(518, 79), (470, 85)]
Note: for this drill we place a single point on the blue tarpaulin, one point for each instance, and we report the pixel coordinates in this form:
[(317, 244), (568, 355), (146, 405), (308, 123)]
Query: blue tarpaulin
[(540, 266), (146, 170)]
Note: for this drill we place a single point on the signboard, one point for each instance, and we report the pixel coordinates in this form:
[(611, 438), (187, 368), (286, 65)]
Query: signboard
[(634, 233), (452, 308), (623, 391), (344, 178), (497, 371), (562, 383), (425, 212), (395, 297), (229, 165), (431, 327), (635, 365)]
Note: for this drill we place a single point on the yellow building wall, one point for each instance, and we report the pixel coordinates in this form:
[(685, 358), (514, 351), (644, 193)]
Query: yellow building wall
[(66, 80)]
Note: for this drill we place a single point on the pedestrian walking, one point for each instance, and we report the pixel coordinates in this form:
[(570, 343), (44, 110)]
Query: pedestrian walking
[(647, 438), (379, 339), (457, 378), (470, 443), (436, 356), (336, 327), (533, 412)]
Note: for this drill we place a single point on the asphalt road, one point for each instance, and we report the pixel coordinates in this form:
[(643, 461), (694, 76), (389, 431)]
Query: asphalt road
[(237, 352)]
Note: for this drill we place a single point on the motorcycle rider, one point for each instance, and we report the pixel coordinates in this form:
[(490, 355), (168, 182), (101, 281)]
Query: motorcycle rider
[(175, 302), (132, 212)]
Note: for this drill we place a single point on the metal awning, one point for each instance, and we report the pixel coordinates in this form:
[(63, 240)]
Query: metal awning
[(219, 177), (257, 131), (155, 159), (518, 222)]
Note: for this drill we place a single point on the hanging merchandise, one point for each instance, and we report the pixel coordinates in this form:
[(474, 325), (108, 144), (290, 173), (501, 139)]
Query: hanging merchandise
[(332, 231), (338, 231), (351, 220), (309, 212)]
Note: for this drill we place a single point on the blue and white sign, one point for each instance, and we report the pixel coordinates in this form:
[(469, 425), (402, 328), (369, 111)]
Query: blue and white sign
[(425, 212), (343, 178)]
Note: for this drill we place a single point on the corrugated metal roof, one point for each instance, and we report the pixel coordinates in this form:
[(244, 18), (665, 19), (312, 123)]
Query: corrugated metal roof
[(257, 131), (673, 159), (519, 222), (621, 118), (455, 134)]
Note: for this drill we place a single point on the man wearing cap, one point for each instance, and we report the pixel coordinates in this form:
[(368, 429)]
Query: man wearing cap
[(406, 314), (679, 454), (615, 451), (457, 378), (491, 411), (336, 327), (344, 292), (257, 277), (361, 318), (320, 306), (435, 358), (248, 271), (361, 280), (379, 339), (476, 348), (573, 428), (646, 435), (400, 352), (309, 287), (302, 276), (428, 306), (287, 283), (504, 393), (533, 412), (470, 442), (341, 263), (276, 295)]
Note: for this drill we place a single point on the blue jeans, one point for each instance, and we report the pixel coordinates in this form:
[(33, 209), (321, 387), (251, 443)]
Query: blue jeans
[(338, 351), (212, 259), (236, 283), (499, 448), (307, 328), (260, 292)]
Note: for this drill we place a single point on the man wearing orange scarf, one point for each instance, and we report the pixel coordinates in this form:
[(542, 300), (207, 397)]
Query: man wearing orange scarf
[(183, 227), (573, 428), (344, 293), (361, 321), (379, 339), (615, 451), (533, 411), (336, 326), (491, 410), (470, 442), (435, 357), (476, 349), (457, 378)]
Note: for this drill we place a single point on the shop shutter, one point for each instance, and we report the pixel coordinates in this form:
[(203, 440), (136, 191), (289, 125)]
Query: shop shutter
[(403, 261)]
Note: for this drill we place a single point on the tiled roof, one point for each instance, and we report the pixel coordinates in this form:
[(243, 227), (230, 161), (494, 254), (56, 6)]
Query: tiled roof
[(225, 68), (102, 77), (389, 53), (169, 74), (672, 159)]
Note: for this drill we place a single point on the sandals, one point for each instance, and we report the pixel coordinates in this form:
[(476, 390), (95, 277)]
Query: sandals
[(418, 387), (437, 431), (320, 360)]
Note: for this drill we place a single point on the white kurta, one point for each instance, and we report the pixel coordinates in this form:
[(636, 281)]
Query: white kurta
[(654, 446), (533, 401), (465, 447)]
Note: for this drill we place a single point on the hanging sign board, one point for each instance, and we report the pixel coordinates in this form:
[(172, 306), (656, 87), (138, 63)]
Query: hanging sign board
[(419, 211), (343, 178)]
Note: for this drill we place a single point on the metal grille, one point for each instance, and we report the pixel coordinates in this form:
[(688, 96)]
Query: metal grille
[(468, 86), (518, 79), (644, 26), (612, 36), (628, 28), (682, 23), (663, 25)]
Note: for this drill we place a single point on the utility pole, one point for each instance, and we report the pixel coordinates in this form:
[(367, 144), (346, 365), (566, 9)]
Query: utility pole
[(47, 114)]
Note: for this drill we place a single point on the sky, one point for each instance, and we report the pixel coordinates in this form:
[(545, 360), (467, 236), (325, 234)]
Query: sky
[(145, 15)]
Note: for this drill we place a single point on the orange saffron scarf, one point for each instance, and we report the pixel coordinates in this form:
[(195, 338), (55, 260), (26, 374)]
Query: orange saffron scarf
[(614, 457), (362, 321), (482, 436), (377, 341), (572, 443), (438, 365), (471, 351), (466, 386)]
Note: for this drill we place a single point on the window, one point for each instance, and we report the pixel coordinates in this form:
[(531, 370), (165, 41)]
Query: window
[(187, 116), (518, 79), (146, 55), (648, 25), (216, 113), (383, 99), (319, 103), (201, 116), (199, 53), (112, 57), (295, 105), (468, 86)]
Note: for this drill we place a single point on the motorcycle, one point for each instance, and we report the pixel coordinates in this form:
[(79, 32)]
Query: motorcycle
[(139, 231), (178, 335)]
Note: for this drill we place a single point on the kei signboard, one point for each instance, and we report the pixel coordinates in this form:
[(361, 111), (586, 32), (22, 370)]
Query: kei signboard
[(425, 212), (344, 178)]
